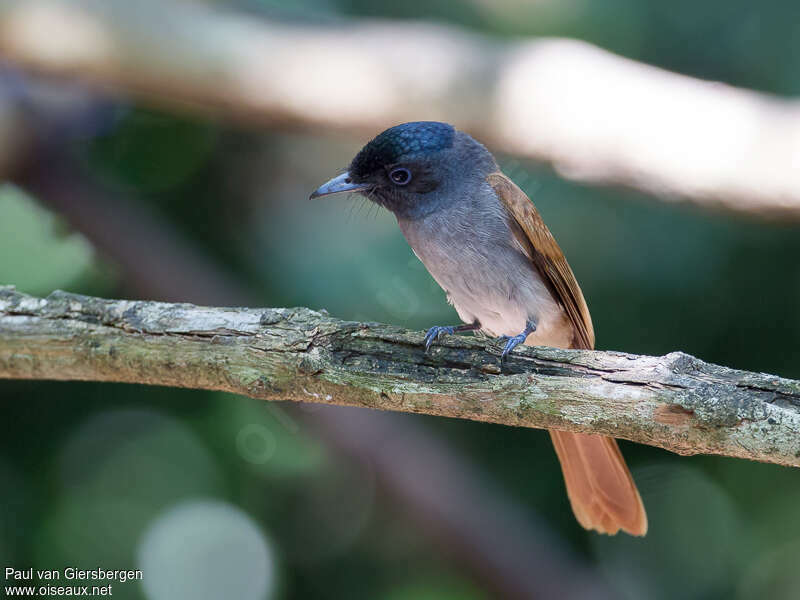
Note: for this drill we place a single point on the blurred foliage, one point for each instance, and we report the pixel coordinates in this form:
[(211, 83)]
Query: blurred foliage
[(38, 251), (129, 156), (94, 475)]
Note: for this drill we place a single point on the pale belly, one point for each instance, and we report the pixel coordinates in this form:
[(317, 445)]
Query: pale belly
[(491, 282), (500, 316)]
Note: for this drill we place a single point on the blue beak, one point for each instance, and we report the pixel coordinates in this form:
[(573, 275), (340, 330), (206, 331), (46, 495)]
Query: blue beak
[(342, 183)]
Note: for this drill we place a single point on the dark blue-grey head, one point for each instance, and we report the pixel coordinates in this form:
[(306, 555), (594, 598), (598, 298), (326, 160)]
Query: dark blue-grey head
[(414, 168)]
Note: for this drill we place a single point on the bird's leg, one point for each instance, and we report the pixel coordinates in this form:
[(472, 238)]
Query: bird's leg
[(515, 341), (434, 332)]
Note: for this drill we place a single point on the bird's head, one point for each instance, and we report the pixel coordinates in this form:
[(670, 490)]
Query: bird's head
[(414, 168)]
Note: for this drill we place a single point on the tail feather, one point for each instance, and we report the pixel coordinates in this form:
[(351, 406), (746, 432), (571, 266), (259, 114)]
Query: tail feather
[(599, 485)]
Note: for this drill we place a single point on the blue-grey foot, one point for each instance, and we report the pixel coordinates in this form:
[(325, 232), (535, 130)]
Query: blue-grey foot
[(513, 342), (435, 332)]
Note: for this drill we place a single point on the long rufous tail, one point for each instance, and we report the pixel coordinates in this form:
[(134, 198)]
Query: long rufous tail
[(599, 485)]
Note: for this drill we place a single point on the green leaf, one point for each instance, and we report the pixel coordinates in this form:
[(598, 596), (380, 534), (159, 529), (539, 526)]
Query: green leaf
[(36, 253)]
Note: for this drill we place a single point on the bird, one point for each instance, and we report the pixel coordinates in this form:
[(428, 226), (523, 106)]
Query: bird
[(484, 242)]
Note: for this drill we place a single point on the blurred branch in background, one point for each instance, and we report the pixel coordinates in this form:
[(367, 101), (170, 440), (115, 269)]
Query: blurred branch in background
[(594, 116), (676, 402)]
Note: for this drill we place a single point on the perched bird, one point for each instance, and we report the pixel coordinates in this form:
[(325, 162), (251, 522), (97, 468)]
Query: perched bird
[(483, 241)]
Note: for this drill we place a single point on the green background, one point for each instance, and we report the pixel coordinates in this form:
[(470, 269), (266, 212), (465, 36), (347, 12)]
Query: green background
[(92, 474)]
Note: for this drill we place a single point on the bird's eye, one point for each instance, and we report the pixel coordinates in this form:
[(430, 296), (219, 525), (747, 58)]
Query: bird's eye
[(400, 175)]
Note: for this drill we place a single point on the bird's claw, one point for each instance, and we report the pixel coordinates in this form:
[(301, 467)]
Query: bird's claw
[(435, 332), (511, 343)]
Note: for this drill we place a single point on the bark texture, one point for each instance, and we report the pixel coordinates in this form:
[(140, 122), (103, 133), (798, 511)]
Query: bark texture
[(676, 402)]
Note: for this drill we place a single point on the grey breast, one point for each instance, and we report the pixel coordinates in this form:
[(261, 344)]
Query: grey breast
[(467, 247)]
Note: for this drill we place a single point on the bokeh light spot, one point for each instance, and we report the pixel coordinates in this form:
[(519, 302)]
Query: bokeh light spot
[(205, 549), (256, 444)]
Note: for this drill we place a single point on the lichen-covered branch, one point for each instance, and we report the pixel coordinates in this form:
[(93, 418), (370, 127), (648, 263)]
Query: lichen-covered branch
[(676, 401), (593, 115)]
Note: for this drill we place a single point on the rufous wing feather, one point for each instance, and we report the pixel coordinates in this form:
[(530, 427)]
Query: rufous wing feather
[(535, 240), (599, 484)]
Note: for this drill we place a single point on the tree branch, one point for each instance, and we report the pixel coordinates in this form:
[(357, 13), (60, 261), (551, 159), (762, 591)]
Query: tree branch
[(594, 116), (676, 402)]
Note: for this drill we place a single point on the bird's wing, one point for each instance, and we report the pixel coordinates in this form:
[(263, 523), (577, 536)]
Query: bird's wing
[(599, 485), (538, 243)]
